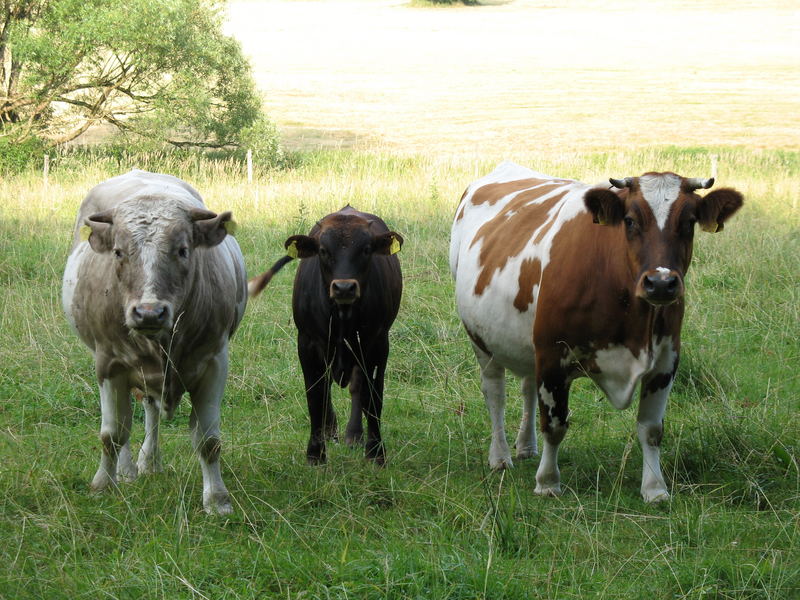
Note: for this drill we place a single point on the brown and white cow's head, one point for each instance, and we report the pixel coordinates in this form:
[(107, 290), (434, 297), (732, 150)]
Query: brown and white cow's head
[(153, 244), (345, 245), (658, 212)]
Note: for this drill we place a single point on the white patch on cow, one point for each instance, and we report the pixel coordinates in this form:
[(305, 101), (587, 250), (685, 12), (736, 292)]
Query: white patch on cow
[(548, 476), (660, 192), (151, 256), (526, 437), (70, 281), (663, 271), (620, 372), (492, 316)]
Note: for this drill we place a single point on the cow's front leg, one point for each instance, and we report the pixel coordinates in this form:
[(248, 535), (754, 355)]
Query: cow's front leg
[(553, 410), (316, 375), (354, 433), (650, 426), (526, 438), (373, 407), (115, 429), (149, 456), (204, 427), (493, 386)]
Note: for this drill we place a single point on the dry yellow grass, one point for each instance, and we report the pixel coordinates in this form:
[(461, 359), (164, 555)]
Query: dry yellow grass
[(526, 75)]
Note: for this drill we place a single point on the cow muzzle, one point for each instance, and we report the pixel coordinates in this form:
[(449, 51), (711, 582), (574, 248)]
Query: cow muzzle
[(150, 318), (660, 286), (345, 291)]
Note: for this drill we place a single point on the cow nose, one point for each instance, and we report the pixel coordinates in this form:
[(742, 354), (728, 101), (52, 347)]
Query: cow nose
[(344, 291), (150, 315), (661, 288)]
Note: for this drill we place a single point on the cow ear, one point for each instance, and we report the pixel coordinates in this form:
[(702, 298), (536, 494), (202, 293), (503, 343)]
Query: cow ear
[(209, 228), (301, 246), (99, 226), (607, 208), (716, 207), (387, 243)]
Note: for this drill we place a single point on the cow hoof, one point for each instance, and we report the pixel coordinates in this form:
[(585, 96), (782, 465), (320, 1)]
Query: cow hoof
[(148, 466), (498, 464), (102, 481), (354, 439), (218, 504), (654, 496), (552, 491), (127, 473), (314, 460), (527, 452)]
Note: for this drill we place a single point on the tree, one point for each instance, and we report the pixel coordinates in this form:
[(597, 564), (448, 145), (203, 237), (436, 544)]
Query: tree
[(158, 68)]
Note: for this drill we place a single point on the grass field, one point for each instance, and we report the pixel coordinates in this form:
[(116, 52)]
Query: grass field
[(409, 106), (434, 523)]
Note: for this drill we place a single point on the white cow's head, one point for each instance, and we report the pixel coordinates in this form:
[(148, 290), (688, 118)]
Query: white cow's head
[(153, 243)]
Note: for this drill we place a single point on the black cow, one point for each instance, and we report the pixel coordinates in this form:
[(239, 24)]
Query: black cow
[(346, 296)]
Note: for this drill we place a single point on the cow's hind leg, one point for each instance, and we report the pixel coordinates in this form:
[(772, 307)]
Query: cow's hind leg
[(526, 438), (149, 456), (204, 426), (372, 399), (553, 411), (354, 433), (493, 386), (115, 429)]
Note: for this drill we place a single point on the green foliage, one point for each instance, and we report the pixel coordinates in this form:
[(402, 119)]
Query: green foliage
[(161, 69), (434, 523), (15, 157)]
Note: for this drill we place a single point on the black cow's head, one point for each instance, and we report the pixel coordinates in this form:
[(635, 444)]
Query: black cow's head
[(658, 212), (345, 245)]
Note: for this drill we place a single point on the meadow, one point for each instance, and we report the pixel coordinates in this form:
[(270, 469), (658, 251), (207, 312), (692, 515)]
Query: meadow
[(434, 522), (395, 109)]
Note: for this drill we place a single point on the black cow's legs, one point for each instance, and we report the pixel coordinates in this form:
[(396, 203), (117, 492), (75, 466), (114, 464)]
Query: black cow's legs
[(318, 396)]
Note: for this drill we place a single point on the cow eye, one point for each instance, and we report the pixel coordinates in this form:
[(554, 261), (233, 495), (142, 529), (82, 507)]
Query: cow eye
[(687, 227), (323, 252), (366, 250), (118, 253), (183, 252), (630, 224)]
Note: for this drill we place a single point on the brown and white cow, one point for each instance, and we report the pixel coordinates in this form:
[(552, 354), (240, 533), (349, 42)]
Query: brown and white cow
[(346, 296), (155, 288), (556, 280)]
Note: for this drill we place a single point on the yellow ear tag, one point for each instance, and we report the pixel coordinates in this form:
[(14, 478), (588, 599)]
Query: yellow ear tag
[(291, 249), (712, 227), (395, 247), (85, 231), (602, 221), (231, 227)]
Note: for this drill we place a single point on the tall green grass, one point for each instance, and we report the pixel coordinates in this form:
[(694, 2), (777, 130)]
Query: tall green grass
[(434, 523)]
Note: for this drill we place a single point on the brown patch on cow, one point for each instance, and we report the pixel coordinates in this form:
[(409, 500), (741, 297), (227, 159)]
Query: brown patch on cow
[(478, 341), (491, 193), (530, 274), (463, 206), (507, 234)]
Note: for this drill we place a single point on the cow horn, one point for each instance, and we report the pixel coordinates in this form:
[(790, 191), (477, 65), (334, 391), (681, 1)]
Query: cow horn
[(107, 216), (698, 183), (201, 214), (621, 183)]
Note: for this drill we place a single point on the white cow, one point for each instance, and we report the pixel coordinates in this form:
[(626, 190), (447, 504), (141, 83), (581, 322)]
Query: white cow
[(155, 287)]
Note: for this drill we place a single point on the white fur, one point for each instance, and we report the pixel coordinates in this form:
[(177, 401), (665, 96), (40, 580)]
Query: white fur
[(660, 192)]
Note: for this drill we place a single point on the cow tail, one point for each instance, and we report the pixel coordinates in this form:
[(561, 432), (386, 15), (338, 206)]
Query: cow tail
[(258, 283)]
